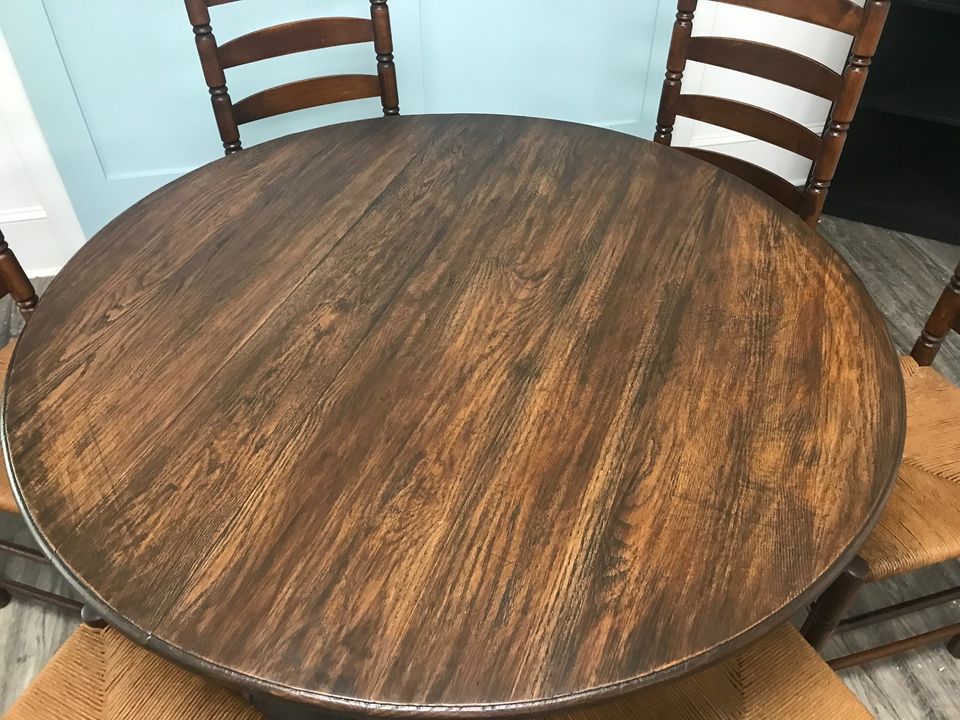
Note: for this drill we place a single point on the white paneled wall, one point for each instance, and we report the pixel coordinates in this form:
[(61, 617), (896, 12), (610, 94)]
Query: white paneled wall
[(35, 213), (826, 46)]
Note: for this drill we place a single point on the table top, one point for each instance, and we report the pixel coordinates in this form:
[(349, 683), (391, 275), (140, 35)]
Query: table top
[(453, 415)]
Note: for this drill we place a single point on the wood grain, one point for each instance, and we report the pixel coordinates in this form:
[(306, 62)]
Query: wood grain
[(783, 191), (751, 120), (305, 94), (455, 415), (766, 61), (294, 37)]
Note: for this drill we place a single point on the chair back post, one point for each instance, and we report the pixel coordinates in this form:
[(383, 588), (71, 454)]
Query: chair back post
[(945, 317), (386, 69), (213, 73), (676, 64), (14, 280), (855, 73)]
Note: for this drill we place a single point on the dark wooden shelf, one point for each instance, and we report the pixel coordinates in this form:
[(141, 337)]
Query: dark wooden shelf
[(899, 168), (935, 101), (899, 173), (952, 6)]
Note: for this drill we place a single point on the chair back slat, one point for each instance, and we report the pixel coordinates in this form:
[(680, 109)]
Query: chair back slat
[(751, 120), (841, 15), (306, 94), (772, 184), (766, 61), (294, 37), (285, 39), (783, 66), (945, 317), (14, 281)]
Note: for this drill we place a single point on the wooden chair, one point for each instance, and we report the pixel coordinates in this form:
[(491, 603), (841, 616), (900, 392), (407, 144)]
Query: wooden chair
[(292, 37), (99, 674), (920, 526), (785, 67), (14, 282)]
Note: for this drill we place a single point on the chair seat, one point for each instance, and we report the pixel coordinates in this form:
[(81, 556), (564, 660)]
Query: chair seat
[(779, 677), (7, 503), (99, 675), (920, 526)]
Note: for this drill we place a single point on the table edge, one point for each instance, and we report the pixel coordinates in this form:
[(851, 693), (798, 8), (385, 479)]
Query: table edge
[(344, 704)]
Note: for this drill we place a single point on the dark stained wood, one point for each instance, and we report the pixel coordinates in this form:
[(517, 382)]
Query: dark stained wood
[(284, 39), (945, 317), (827, 612), (841, 15), (421, 427), (773, 185), (915, 605), (865, 43), (294, 37), (676, 64), (751, 120), (386, 68), (29, 593), (14, 281), (782, 66), (766, 61), (214, 76), (895, 648), (304, 94)]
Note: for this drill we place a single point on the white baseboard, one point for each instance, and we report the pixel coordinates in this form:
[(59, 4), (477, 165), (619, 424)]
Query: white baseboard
[(33, 239), (47, 272), (21, 214), (41, 225)]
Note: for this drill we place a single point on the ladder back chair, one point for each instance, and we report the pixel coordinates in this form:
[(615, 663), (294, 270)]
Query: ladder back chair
[(920, 525), (285, 39), (15, 283), (787, 68)]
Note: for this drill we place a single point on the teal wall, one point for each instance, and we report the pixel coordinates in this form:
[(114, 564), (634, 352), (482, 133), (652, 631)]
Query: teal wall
[(117, 89)]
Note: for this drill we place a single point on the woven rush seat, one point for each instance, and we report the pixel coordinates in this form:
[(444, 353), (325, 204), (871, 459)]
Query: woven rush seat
[(779, 677), (7, 503), (100, 675), (920, 525)]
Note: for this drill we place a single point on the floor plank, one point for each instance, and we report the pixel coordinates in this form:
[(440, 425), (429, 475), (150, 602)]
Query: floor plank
[(29, 634), (905, 275)]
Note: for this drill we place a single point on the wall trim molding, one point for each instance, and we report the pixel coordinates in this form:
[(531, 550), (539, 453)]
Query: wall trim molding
[(731, 138), (718, 141), (30, 213), (44, 272)]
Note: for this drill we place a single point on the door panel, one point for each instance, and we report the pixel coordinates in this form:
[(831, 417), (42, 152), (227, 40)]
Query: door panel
[(117, 88), (587, 62), (118, 91)]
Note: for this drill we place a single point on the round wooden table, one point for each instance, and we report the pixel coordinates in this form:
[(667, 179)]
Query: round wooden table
[(453, 415)]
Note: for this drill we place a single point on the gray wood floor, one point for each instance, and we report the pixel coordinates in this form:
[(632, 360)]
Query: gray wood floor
[(905, 275)]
